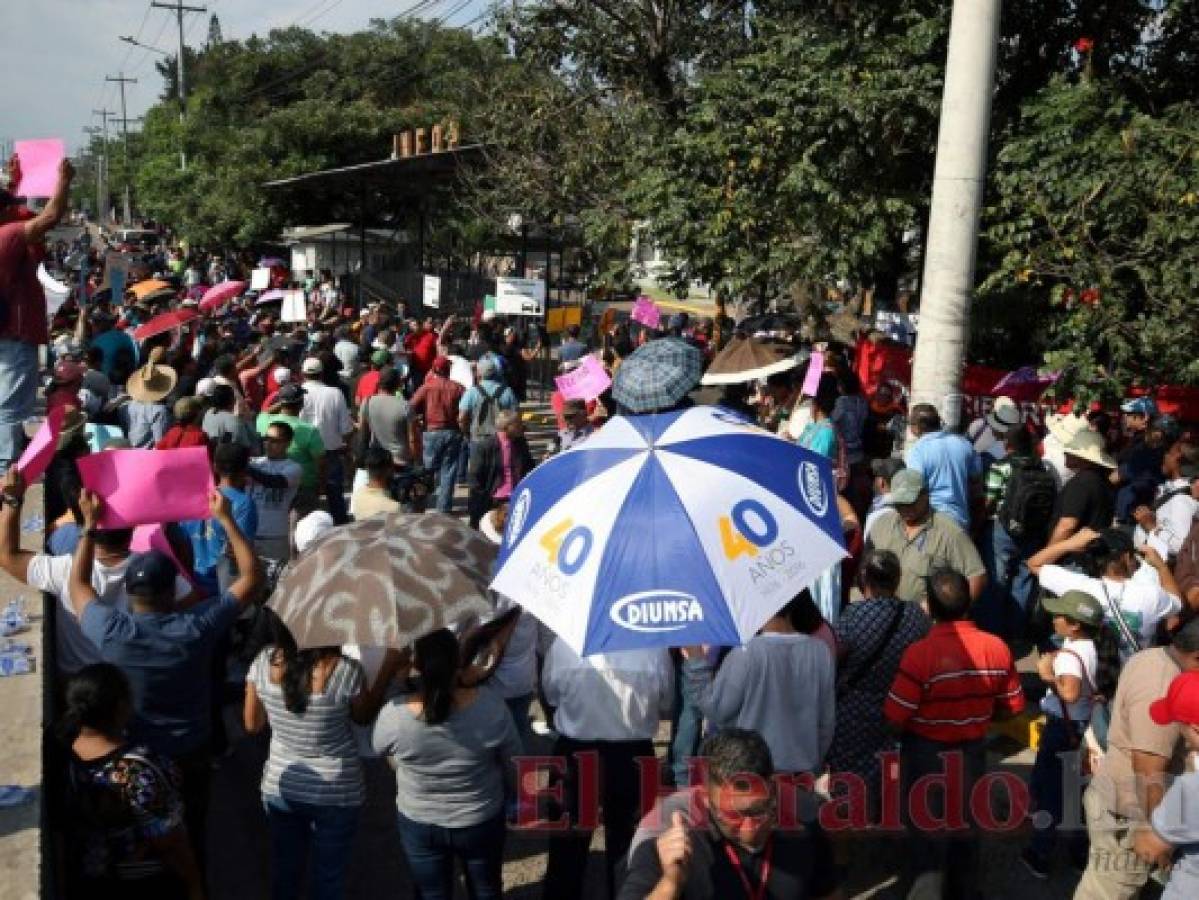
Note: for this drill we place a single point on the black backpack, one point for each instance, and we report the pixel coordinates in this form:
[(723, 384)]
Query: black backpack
[(1027, 504), (482, 420)]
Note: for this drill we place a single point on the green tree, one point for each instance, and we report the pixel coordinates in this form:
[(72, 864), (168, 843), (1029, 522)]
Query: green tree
[(807, 158), (294, 101), (1094, 228)]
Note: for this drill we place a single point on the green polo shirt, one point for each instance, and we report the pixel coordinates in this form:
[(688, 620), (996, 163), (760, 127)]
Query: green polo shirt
[(941, 543), (307, 446)]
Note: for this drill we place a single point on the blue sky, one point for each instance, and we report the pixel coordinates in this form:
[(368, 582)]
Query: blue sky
[(57, 52)]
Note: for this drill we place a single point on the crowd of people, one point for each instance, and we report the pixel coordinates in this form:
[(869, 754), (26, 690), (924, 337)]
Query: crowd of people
[(1069, 538)]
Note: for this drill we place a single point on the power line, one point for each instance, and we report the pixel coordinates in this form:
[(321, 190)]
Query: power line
[(331, 5), (319, 61)]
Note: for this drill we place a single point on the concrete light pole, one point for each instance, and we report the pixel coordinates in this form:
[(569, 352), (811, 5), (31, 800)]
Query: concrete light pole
[(179, 9), (122, 81), (958, 184)]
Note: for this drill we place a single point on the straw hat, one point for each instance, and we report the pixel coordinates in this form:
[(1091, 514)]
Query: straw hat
[(153, 381), (1004, 415), (1065, 426), (1088, 445)]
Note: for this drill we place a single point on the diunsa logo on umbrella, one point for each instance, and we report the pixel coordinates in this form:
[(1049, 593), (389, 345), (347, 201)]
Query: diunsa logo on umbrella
[(516, 519), (812, 488), (655, 611)]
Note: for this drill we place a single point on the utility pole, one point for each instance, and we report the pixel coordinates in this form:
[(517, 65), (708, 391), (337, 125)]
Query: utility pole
[(179, 9), (958, 184), (94, 131), (122, 81), (102, 178)]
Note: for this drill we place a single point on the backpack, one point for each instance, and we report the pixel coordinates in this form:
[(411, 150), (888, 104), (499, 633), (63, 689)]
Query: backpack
[(1027, 504), (482, 417)]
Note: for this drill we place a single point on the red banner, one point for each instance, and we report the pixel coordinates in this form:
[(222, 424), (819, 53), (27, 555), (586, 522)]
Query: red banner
[(882, 362)]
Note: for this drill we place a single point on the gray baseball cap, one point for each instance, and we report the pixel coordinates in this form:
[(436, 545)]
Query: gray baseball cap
[(906, 487)]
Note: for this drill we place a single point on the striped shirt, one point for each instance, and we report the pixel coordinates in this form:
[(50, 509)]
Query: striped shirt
[(313, 757), (950, 684)]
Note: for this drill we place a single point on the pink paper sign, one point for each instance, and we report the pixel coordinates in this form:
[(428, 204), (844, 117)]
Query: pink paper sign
[(39, 166), (154, 537), (143, 487), (586, 382), (36, 458), (646, 312), (811, 380)]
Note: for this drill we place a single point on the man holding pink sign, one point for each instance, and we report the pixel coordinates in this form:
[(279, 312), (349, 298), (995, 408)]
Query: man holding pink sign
[(51, 574), (23, 324), (166, 652)]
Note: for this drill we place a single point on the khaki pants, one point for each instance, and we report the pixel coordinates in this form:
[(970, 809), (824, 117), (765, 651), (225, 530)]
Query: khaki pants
[(1114, 871)]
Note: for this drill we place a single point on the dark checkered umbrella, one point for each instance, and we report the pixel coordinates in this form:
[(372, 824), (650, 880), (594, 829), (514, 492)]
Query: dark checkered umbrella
[(657, 375)]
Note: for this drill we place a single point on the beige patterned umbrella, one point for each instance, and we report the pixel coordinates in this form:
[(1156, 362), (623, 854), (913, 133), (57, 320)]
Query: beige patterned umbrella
[(747, 359), (386, 581)]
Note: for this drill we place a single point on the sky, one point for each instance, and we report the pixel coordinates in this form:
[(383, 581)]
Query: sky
[(59, 51)]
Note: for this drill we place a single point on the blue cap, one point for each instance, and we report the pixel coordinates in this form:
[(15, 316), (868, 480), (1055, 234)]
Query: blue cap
[(1141, 406), (150, 573)]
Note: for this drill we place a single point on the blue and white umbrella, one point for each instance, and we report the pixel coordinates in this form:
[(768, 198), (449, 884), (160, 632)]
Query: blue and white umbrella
[(688, 527)]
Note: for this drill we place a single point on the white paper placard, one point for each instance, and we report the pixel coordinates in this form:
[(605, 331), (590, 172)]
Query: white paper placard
[(520, 296), (432, 294), (295, 308), (260, 279)]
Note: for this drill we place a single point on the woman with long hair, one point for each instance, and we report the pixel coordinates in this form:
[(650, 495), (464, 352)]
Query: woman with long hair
[(124, 813), (452, 748), (312, 786)]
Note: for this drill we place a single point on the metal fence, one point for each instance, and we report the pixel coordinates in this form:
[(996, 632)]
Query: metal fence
[(460, 291)]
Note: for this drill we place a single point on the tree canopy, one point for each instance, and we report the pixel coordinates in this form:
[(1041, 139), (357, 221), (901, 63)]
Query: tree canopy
[(760, 145)]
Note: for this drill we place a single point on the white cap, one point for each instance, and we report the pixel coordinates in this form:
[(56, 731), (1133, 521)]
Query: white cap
[(204, 387), (282, 375), (312, 366), (311, 527), (489, 530)]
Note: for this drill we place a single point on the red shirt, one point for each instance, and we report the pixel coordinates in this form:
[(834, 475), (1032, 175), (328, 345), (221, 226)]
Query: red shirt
[(422, 350), (23, 316), (252, 387), (437, 400), (368, 386), (183, 436), (951, 683)]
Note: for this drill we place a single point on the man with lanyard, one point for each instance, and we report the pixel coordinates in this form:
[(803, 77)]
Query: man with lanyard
[(723, 840)]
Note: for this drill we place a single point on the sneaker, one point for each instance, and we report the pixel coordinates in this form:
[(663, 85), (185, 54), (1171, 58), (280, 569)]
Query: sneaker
[(1037, 865)]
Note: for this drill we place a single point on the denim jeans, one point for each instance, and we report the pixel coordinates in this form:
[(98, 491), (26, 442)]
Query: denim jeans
[(18, 397), (685, 730), (298, 827), (432, 849), (443, 449), (1004, 607), (335, 487), (1048, 784)]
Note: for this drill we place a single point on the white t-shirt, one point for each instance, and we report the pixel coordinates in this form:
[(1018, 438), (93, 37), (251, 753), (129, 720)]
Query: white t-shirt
[(1174, 520), (1140, 605), (1065, 663), (52, 575), (325, 407), (274, 503)]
